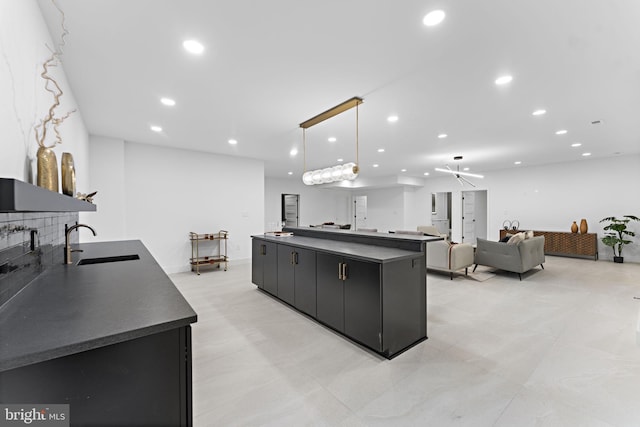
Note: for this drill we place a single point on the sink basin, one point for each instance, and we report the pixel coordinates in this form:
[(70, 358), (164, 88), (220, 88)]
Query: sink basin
[(106, 259)]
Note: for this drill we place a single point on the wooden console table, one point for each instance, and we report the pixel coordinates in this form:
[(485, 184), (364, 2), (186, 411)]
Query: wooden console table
[(565, 244)]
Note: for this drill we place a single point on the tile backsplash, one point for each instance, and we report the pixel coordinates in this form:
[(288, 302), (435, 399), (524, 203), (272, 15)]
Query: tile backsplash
[(29, 243)]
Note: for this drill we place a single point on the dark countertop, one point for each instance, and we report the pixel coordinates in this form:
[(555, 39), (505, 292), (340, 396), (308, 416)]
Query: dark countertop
[(355, 250), (73, 308), (373, 234)]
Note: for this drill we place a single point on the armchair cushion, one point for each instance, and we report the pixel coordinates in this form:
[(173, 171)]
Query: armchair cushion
[(430, 230)]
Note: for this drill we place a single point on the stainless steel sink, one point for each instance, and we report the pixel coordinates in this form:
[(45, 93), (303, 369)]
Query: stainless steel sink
[(102, 260)]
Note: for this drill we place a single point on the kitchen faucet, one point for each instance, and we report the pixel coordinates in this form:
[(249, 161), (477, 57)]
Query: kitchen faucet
[(67, 245)]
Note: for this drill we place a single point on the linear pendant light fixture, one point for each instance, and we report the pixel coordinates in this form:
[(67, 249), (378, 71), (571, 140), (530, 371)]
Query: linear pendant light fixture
[(460, 176), (348, 171), (451, 171)]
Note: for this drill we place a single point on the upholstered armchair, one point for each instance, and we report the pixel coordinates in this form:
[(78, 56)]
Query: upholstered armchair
[(445, 256), (450, 257)]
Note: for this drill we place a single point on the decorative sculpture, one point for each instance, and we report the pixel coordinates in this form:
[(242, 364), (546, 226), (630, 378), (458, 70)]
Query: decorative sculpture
[(47, 163)]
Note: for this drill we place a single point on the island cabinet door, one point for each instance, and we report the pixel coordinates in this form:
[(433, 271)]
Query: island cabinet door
[(264, 267), (330, 290), (286, 273), (362, 302), (305, 281), (257, 263)]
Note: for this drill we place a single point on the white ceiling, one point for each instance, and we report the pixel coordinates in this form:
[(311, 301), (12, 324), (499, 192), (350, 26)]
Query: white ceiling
[(270, 65)]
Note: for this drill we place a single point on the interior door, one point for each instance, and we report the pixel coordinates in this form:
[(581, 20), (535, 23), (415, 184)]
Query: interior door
[(468, 217), (360, 212), (290, 207)]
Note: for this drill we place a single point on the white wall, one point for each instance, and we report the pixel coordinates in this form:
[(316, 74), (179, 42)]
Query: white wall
[(24, 100), (385, 208), (108, 176), (317, 204), (159, 195)]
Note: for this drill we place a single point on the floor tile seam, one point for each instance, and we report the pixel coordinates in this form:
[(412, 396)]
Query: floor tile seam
[(506, 407)]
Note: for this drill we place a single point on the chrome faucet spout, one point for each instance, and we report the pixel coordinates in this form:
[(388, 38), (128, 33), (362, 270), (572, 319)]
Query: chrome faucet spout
[(67, 245)]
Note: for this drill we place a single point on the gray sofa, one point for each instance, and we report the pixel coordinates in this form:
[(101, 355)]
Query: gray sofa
[(518, 258)]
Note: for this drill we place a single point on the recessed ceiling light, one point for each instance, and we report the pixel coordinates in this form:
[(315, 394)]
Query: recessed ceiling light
[(561, 132), (340, 160), (442, 135), (403, 170), (586, 154), (465, 169), (433, 18), (539, 112), (426, 173), (332, 139), (380, 150), (517, 162), (503, 80), (168, 102), (289, 173), (233, 142), (293, 152), (156, 128), (376, 165), (392, 119), (193, 46), (576, 144)]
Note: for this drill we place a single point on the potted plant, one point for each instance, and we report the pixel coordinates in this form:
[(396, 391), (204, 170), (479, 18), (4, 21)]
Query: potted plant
[(616, 233)]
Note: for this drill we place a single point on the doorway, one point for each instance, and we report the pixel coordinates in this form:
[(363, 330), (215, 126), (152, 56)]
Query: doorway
[(441, 213), (290, 210), (474, 215), (359, 212)]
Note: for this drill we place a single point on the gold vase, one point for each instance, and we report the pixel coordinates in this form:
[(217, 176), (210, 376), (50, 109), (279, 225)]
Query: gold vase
[(68, 173), (583, 226), (574, 227), (47, 169)]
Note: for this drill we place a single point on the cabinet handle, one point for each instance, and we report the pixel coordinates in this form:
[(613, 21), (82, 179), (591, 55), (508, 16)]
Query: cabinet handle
[(292, 257), (295, 257), (344, 271), (263, 249), (339, 271)]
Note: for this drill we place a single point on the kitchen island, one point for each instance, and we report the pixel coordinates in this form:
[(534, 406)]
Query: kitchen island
[(369, 287), (111, 338)]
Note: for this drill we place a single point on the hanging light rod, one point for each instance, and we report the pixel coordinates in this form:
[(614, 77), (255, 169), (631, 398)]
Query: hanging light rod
[(475, 175), (340, 108)]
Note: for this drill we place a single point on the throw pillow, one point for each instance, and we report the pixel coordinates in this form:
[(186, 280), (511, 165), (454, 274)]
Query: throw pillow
[(515, 239), (529, 234), (506, 238)]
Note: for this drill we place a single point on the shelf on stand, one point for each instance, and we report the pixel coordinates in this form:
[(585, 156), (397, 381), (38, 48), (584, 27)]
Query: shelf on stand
[(221, 257)]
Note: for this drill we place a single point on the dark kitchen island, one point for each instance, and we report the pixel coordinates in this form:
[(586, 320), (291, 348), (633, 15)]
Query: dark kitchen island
[(370, 287)]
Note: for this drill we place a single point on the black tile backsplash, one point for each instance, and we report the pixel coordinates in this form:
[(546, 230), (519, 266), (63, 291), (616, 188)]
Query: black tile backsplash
[(29, 243)]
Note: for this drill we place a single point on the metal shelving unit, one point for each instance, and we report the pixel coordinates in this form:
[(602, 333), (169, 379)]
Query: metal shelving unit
[(197, 259)]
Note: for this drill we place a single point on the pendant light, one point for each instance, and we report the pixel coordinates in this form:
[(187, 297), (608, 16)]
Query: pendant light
[(346, 172)]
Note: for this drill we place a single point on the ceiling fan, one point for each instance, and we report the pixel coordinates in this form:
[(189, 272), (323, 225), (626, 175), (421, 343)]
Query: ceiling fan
[(460, 176)]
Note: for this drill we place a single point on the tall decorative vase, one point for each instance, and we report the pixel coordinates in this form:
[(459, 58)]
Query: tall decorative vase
[(583, 226), (47, 169), (574, 227), (68, 172)]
